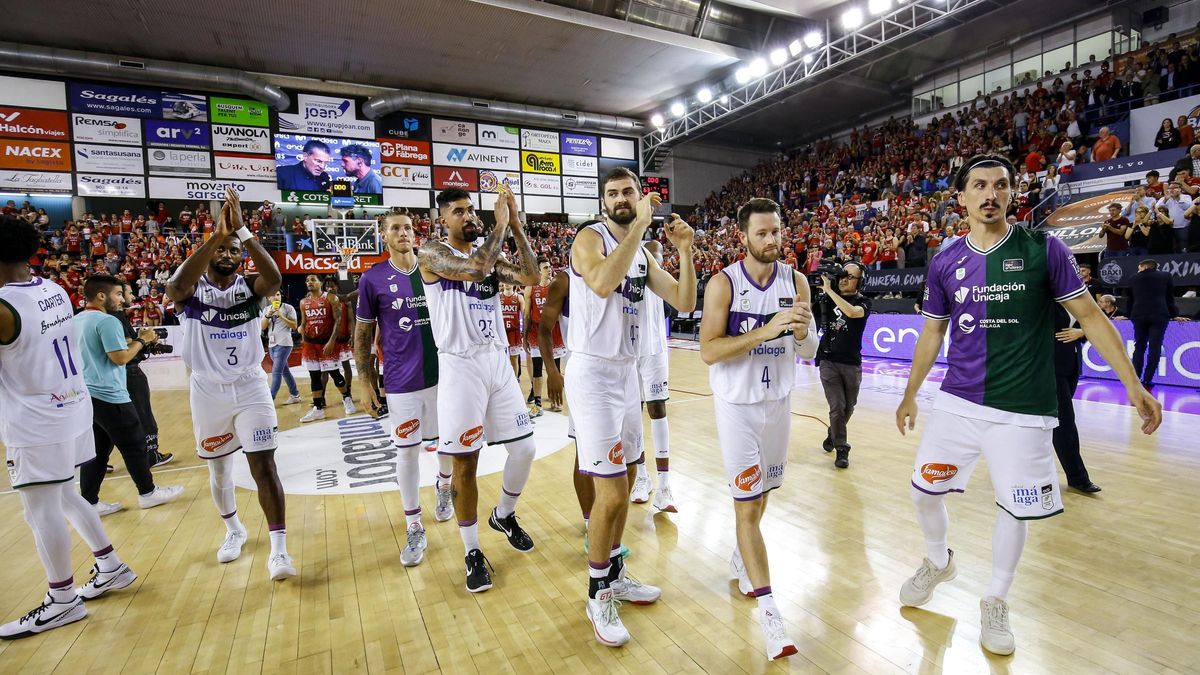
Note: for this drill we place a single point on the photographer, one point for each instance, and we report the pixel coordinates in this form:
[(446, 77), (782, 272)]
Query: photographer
[(139, 386), (844, 317)]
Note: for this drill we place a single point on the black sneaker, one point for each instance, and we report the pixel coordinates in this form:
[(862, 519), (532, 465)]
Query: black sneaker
[(516, 535), (843, 458), (161, 458), (827, 444), (478, 578)]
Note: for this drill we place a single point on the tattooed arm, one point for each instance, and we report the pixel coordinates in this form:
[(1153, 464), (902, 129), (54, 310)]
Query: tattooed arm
[(525, 274), (439, 262), (368, 376)]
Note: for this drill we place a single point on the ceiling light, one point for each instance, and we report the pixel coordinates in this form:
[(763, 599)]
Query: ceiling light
[(852, 18), (877, 7), (813, 39), (657, 120), (808, 58), (742, 75), (704, 95), (758, 68), (724, 100), (779, 56), (678, 109), (796, 47)]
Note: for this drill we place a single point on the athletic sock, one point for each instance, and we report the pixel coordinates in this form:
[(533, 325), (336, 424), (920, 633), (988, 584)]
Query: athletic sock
[(319, 402), (443, 480), (597, 578), (413, 516), (765, 599), (660, 433), (232, 522), (107, 559), (663, 475), (508, 503), (278, 535), (63, 591), (445, 469), (641, 470), (469, 531)]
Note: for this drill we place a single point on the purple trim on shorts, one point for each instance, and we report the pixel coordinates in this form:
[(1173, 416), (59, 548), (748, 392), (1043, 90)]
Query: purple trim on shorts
[(510, 494), (759, 592), (936, 494), (59, 585), (593, 474), (468, 523), (413, 512), (276, 527), (748, 499), (229, 515), (443, 475), (104, 551), (587, 516), (599, 566)]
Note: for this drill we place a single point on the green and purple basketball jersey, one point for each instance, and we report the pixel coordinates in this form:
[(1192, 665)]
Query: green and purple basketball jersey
[(1000, 305)]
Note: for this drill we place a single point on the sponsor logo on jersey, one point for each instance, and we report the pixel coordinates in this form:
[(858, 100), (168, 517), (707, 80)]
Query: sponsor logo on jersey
[(468, 437), (1029, 495), (264, 436), (961, 294), (616, 454), (211, 444), (1047, 497), (786, 303), (407, 428), (405, 324), (775, 471), (960, 273), (748, 479), (966, 323), (1014, 265), (936, 473)]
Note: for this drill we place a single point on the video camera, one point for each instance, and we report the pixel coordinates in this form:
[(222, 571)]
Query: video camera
[(158, 347), (831, 268)]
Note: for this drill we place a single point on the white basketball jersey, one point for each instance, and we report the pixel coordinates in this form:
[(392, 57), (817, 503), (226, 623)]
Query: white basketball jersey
[(466, 315), (768, 371), (654, 325), (609, 328), (221, 330), (43, 398)]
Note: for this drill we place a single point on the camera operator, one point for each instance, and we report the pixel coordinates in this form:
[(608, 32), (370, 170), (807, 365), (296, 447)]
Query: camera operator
[(139, 386), (844, 317)]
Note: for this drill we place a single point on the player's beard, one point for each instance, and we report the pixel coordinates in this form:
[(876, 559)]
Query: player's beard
[(622, 214), (471, 230), (765, 256), (225, 267)]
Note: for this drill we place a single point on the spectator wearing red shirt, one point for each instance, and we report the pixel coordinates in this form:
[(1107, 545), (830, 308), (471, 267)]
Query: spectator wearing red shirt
[(1116, 229), (1187, 133), (1154, 187), (1034, 161), (1106, 147)]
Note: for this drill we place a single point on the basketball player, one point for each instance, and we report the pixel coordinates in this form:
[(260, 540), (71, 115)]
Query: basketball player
[(231, 403), (994, 290), (391, 295), (609, 271), (478, 395), (512, 305), (535, 299), (344, 350), (652, 371), (46, 428), (320, 323), (750, 309)]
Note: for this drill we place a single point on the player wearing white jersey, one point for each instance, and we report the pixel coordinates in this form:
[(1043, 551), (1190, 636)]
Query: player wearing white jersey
[(609, 272), (756, 317), (652, 368), (478, 395), (46, 428), (231, 404)]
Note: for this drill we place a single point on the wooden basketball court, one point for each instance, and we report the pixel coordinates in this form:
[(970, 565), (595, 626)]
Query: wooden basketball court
[(1110, 586)]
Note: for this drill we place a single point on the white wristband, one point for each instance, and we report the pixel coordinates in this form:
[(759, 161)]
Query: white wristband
[(243, 233)]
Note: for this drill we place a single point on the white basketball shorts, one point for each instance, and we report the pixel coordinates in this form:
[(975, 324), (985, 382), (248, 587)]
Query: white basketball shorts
[(754, 444), (231, 417), (413, 417), (50, 463), (652, 370), (478, 396), (606, 412)]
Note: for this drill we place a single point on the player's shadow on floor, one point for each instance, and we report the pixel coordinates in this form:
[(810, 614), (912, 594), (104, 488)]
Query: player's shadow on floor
[(935, 631)]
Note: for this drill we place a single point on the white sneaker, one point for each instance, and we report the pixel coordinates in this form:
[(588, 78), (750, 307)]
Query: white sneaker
[(663, 501), (641, 490), (920, 586), (995, 633), (279, 566), (348, 404), (414, 549), (231, 548), (291, 400), (314, 413), (160, 495), (44, 617), (779, 645), (628, 589), (103, 582), (445, 504), (602, 611), (737, 570), (106, 508)]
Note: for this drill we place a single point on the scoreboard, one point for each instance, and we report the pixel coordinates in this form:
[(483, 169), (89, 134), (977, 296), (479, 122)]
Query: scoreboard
[(659, 184)]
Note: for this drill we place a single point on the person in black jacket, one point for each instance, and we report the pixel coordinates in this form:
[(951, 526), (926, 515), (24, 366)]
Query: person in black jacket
[(139, 392), (1190, 161), (1151, 306), (1068, 365)]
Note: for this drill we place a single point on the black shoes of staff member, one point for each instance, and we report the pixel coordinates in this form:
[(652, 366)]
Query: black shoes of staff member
[(1088, 487), (827, 444), (843, 458)]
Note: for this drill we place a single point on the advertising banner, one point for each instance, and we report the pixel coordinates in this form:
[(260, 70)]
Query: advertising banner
[(98, 185), (574, 186), (326, 116), (109, 159), (540, 162), (34, 181), (309, 197), (907, 279), (34, 155), (1078, 224), (211, 189), (542, 204), (103, 99), (254, 140), (408, 176), (408, 198), (447, 177), (579, 166), (32, 93), (405, 152), (499, 137), (239, 111), (27, 123), (1145, 123), (173, 162), (579, 144), (1184, 268), (308, 263), (403, 125), (323, 163), (544, 141), (474, 157), (490, 181), (177, 134), (450, 131), (100, 129), (533, 184), (1122, 169), (244, 167), (186, 107), (618, 148)]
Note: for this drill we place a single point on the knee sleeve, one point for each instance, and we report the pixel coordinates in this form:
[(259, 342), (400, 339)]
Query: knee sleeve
[(314, 378), (537, 366), (339, 380)]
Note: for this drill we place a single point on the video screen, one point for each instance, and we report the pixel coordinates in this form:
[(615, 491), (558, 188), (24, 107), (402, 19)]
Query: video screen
[(311, 163)]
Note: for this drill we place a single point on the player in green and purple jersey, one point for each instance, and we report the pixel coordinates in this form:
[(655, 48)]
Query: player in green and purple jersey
[(995, 290)]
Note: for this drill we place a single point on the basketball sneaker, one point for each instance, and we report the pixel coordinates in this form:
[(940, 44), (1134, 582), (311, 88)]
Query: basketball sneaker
[(737, 570), (44, 617), (627, 589), (995, 633), (920, 586), (103, 582), (640, 494), (348, 405), (160, 458), (159, 496), (606, 622), (535, 411), (478, 578), (517, 536), (414, 549), (291, 400), (445, 504), (779, 645), (231, 548), (106, 508), (663, 501), (279, 566), (313, 415)]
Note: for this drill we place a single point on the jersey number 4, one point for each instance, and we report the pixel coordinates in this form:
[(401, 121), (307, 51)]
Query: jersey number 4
[(766, 378), (65, 361)]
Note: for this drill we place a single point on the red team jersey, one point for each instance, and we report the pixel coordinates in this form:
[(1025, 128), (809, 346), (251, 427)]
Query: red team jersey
[(318, 318), (510, 306), (540, 295)]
